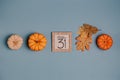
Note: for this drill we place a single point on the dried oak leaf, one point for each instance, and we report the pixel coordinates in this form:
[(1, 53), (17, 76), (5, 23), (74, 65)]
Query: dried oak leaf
[(88, 28), (85, 36), (83, 43)]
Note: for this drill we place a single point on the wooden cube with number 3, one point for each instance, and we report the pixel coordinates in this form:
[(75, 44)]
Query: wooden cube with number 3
[(61, 41)]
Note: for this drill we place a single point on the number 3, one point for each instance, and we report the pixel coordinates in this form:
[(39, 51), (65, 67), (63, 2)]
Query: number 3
[(63, 42)]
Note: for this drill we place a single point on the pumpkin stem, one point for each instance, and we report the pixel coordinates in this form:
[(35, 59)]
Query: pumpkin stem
[(15, 42), (37, 41)]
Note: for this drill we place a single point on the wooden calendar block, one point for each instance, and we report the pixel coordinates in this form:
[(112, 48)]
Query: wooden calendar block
[(61, 41)]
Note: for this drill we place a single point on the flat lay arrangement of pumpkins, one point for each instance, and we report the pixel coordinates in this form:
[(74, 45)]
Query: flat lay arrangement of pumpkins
[(37, 41)]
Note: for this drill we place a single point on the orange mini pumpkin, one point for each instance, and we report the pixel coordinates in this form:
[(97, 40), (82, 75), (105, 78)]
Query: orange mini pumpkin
[(104, 41), (37, 41)]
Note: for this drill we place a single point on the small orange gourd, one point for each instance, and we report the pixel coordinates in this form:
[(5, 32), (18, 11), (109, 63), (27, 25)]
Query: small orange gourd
[(104, 41), (37, 41)]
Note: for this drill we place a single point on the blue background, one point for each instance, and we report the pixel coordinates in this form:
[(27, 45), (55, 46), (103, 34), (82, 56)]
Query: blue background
[(27, 16)]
